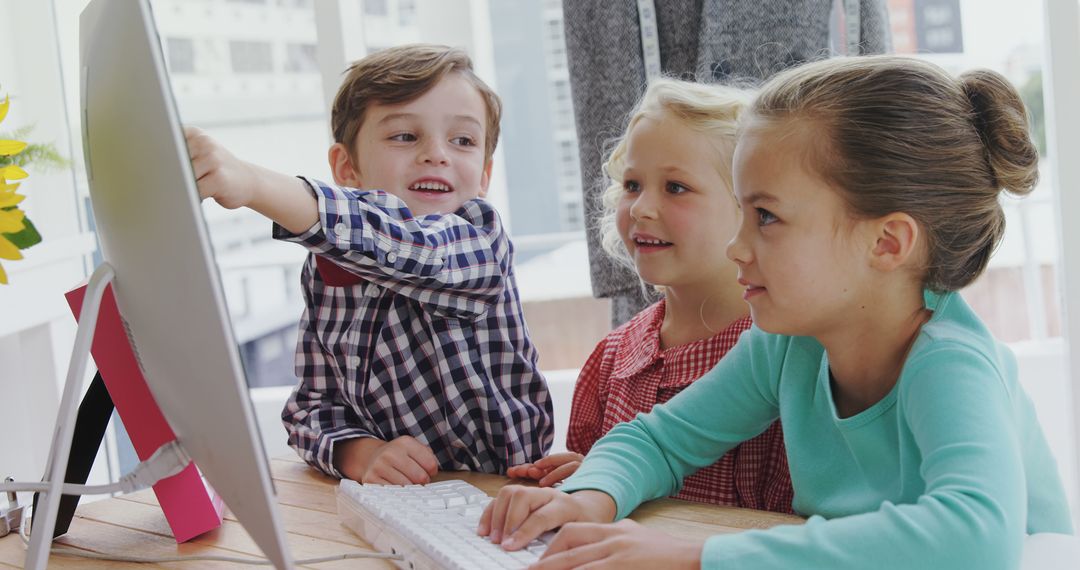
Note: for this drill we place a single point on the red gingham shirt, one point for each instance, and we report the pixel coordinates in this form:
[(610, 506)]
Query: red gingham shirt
[(628, 373)]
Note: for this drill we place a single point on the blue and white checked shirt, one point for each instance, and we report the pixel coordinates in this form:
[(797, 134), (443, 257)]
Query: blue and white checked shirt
[(431, 343)]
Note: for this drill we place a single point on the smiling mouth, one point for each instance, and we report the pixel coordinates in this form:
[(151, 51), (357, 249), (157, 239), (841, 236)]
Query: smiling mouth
[(433, 187), (640, 242)]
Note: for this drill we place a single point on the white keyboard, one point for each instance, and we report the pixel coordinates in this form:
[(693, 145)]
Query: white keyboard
[(432, 526)]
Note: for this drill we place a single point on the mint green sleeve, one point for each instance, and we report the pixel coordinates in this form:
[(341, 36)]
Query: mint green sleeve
[(648, 457), (972, 511)]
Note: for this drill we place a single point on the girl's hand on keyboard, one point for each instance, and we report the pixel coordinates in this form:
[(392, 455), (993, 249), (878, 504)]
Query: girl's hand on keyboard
[(518, 514), (549, 470), (402, 461), (624, 545)]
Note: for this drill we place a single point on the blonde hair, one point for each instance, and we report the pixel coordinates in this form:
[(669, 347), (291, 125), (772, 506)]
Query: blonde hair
[(897, 134), (400, 75), (713, 110)]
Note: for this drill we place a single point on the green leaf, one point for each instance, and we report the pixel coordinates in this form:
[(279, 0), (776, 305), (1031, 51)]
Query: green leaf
[(25, 238)]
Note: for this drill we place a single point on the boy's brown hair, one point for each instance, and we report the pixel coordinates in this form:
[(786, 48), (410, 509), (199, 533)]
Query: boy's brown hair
[(400, 75)]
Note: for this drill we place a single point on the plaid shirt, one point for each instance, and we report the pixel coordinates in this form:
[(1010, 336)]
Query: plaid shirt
[(629, 373), (428, 340)]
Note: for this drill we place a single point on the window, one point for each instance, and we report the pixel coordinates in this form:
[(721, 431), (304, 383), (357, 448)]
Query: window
[(406, 12), (1017, 297), (180, 53), (251, 57), (301, 58), (376, 8)]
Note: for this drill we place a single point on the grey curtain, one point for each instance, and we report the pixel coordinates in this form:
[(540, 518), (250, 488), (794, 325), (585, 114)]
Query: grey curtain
[(708, 40)]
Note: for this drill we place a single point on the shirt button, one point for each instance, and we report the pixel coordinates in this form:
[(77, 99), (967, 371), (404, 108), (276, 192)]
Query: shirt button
[(372, 290), (391, 257), (354, 361), (437, 261), (341, 230)]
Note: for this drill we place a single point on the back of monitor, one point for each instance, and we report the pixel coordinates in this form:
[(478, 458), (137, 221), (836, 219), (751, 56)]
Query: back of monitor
[(151, 229)]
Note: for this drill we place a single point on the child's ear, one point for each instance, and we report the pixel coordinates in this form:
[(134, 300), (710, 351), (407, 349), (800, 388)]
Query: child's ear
[(485, 179), (897, 240), (341, 165)]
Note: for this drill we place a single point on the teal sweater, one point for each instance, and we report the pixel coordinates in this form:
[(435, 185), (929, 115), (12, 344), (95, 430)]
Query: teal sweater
[(949, 470)]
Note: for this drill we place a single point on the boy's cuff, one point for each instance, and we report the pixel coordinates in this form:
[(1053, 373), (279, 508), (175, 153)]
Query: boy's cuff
[(280, 233), (328, 441)]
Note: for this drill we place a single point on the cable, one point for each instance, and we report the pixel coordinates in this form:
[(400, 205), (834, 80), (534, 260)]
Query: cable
[(214, 558), (25, 535), (168, 460)]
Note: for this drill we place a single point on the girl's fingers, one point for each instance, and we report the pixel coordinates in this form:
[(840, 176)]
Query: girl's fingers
[(484, 527), (582, 550), (548, 516), (519, 471), (517, 509), (498, 513), (575, 535), (559, 473), (556, 459)]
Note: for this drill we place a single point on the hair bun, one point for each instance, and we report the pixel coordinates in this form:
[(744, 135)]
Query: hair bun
[(1002, 121)]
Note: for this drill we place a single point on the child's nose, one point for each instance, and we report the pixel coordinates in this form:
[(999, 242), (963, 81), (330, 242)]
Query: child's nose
[(737, 249), (644, 206), (434, 153)]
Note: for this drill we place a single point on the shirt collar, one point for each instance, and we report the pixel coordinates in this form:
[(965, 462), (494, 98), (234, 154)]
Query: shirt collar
[(639, 346)]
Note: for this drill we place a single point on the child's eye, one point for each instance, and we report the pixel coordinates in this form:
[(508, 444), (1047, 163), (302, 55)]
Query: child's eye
[(676, 188), (463, 141), (403, 137), (631, 186), (765, 217)]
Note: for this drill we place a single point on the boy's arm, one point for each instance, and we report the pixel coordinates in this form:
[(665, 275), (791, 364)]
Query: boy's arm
[(447, 262), (234, 183), (458, 263)]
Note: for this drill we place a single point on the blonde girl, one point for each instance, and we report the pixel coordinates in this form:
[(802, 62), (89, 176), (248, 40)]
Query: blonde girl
[(668, 204)]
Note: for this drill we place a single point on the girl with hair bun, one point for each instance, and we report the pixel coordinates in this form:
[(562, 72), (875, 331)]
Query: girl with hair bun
[(869, 195)]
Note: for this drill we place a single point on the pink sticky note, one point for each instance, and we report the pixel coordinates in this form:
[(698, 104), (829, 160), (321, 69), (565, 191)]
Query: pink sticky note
[(191, 507)]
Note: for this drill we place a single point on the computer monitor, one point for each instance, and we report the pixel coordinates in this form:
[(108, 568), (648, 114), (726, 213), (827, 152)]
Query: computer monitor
[(151, 229)]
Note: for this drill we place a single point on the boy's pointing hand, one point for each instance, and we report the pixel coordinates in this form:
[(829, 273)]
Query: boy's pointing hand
[(219, 174)]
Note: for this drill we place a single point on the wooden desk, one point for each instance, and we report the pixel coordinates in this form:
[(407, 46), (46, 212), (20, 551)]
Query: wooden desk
[(133, 525)]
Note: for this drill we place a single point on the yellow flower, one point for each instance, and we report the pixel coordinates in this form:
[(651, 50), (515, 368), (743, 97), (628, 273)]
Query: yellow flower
[(12, 172), (11, 221), (10, 147)]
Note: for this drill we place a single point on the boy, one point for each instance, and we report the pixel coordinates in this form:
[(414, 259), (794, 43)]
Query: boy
[(413, 353)]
